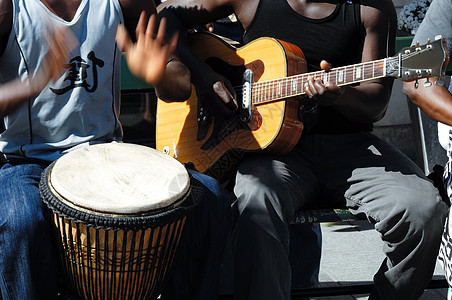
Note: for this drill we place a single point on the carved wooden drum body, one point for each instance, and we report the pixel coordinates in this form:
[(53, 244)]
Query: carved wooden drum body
[(118, 210)]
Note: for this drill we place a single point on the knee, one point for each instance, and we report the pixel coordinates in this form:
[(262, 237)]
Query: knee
[(413, 213), (260, 203), (425, 208), (23, 211), (23, 220), (211, 186)]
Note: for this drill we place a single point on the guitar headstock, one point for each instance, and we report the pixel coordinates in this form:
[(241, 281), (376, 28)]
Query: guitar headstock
[(428, 60)]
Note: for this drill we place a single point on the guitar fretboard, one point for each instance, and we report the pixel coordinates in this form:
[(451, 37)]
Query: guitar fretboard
[(291, 86)]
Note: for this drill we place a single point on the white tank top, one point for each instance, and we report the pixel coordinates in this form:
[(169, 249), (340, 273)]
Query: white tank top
[(82, 106)]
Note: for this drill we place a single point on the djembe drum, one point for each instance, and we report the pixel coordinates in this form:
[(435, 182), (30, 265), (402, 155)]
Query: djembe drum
[(118, 210)]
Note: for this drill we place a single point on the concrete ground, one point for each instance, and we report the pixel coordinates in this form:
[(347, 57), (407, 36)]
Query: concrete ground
[(339, 269), (334, 270)]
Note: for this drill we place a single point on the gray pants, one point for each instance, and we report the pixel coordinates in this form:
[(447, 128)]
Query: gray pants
[(357, 170)]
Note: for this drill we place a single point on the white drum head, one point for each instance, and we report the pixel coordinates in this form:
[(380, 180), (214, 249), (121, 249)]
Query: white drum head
[(118, 178)]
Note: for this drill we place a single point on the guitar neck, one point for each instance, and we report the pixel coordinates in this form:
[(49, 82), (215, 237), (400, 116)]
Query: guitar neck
[(277, 89)]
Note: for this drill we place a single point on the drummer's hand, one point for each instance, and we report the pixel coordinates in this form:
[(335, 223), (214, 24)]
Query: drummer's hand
[(61, 42), (16, 92), (326, 93), (147, 58)]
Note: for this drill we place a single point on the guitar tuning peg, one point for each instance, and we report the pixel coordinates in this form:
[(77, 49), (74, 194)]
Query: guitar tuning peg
[(438, 37), (416, 84), (427, 83)]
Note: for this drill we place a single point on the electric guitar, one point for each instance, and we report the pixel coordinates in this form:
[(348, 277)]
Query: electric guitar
[(270, 75)]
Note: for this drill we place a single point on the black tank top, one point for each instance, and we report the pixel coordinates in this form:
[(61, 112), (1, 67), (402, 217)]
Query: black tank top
[(335, 38)]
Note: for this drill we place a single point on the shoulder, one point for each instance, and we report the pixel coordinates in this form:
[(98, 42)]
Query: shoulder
[(437, 21), (376, 13)]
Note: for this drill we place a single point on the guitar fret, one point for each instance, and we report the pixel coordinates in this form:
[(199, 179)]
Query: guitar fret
[(263, 92), (255, 93), (364, 70), (285, 92), (368, 70), (324, 77), (294, 85), (288, 85), (357, 73), (303, 91), (272, 90), (341, 76), (350, 77)]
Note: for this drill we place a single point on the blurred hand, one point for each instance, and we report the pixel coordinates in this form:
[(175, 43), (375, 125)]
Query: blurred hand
[(147, 58), (61, 42), (14, 93)]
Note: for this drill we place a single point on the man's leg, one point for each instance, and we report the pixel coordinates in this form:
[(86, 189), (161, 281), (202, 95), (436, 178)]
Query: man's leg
[(305, 251), (269, 190), (379, 181), (28, 262), (196, 269)]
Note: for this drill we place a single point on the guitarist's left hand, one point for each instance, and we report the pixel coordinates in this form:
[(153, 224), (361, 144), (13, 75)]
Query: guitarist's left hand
[(326, 93)]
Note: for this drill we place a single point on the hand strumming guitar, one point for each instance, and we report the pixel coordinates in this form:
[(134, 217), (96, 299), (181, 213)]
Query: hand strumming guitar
[(217, 98), (216, 93)]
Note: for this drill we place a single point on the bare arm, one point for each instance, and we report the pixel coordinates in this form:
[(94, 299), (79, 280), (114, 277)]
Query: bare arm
[(368, 101), (183, 15), (15, 93), (434, 100), (216, 94)]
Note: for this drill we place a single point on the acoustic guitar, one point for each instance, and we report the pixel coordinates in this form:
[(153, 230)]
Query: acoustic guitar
[(269, 75)]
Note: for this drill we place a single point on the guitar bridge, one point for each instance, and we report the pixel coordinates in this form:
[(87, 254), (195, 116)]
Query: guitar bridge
[(245, 107)]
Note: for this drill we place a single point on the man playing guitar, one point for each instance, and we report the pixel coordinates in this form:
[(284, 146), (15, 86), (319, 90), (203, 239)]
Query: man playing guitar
[(337, 161)]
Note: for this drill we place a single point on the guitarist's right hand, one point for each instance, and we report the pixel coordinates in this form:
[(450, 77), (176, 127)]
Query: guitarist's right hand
[(217, 95)]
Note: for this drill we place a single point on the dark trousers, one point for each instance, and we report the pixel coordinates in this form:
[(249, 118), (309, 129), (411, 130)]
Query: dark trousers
[(357, 170)]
